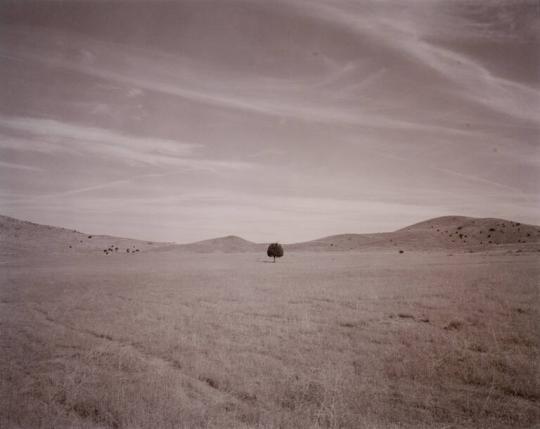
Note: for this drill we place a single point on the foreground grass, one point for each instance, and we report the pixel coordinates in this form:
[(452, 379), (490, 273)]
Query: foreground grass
[(315, 340)]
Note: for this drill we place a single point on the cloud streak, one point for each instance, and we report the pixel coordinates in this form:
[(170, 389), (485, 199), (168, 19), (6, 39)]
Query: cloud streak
[(65, 137), (475, 82), (18, 166), (278, 98)]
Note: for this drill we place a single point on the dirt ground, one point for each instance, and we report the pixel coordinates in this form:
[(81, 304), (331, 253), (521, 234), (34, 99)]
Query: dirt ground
[(319, 339)]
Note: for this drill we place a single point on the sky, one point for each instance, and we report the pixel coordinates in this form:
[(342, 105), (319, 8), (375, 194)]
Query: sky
[(283, 120)]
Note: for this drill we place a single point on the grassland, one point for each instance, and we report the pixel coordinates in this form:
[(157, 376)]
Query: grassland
[(319, 339)]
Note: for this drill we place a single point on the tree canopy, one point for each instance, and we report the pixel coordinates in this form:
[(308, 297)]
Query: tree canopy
[(275, 250)]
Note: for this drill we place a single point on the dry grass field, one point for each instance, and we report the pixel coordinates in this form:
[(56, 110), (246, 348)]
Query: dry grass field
[(177, 147), (356, 339)]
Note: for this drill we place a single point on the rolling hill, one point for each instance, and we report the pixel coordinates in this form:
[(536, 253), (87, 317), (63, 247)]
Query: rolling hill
[(228, 244), (19, 237), (448, 232)]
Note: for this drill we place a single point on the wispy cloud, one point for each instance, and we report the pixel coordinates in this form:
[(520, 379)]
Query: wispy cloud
[(89, 189), (474, 81), (18, 166), (189, 80), (478, 84), (52, 135)]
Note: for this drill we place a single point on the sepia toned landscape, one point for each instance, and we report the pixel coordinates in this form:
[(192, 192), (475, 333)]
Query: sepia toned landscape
[(345, 331), (269, 214)]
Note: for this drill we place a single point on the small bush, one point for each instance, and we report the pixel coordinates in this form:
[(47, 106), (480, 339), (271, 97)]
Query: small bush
[(454, 325), (275, 250), (405, 316)]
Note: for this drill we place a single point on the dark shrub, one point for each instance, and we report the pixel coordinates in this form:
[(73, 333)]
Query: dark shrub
[(454, 325), (275, 250)]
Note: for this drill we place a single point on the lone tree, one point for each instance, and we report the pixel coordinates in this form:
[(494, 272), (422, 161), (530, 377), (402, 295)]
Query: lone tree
[(275, 250)]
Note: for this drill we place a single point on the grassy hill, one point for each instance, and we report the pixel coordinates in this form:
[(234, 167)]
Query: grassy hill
[(457, 233), (18, 237), (448, 232)]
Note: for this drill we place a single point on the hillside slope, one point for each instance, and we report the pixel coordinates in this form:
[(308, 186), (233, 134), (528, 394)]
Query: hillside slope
[(18, 237), (457, 233), (228, 244), (448, 232)]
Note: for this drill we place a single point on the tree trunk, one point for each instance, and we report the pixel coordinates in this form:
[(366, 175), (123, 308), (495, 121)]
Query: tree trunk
[(274, 259)]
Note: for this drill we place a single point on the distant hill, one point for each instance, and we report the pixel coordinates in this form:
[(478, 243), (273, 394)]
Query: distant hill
[(448, 232), (229, 244), (19, 237)]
